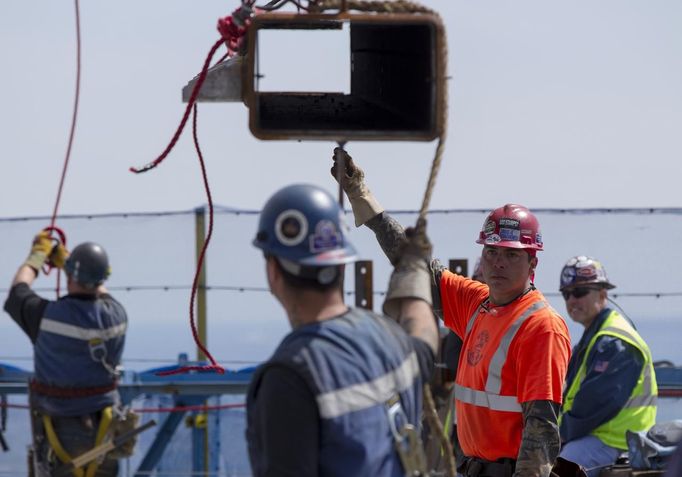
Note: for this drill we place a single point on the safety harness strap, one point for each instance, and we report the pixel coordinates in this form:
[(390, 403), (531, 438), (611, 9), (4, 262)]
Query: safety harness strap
[(61, 392), (64, 456)]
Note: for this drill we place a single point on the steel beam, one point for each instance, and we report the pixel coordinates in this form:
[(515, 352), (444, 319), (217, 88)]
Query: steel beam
[(223, 83)]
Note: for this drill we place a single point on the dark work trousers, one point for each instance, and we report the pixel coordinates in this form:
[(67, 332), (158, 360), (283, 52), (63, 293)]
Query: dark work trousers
[(77, 435)]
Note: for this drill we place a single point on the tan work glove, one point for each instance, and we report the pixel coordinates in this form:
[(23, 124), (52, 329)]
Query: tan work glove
[(363, 203), (40, 250), (411, 277), (58, 256)]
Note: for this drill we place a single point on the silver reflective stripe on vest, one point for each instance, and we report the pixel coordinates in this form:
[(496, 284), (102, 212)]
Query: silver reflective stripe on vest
[(470, 323), (647, 397), (494, 382), (619, 331), (489, 400), (641, 401), (365, 395), (80, 333)]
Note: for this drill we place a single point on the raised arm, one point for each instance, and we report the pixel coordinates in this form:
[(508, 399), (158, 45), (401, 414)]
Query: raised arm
[(366, 209), (408, 299), (42, 250)]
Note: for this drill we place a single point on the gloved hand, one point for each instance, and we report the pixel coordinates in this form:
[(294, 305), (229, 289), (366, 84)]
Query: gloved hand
[(40, 250), (411, 277), (58, 256), (363, 203), (437, 269)]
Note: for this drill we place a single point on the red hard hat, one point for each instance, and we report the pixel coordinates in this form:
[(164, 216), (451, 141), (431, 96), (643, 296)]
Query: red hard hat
[(512, 226)]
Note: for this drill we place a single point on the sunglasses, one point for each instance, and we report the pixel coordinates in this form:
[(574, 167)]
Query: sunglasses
[(577, 292)]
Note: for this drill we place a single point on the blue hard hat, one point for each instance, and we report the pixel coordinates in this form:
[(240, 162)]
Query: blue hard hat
[(303, 224), (88, 264)]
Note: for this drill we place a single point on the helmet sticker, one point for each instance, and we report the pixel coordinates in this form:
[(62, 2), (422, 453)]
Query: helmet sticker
[(567, 275), (291, 227), (494, 238), (509, 223), (510, 235), (326, 237), (489, 227), (589, 271), (538, 238)]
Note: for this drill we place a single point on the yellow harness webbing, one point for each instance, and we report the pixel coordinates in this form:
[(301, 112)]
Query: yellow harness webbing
[(64, 456)]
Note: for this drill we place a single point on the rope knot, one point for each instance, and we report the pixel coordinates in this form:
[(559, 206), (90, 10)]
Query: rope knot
[(233, 28)]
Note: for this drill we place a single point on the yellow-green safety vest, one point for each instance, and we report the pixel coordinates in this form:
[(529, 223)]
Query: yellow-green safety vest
[(639, 412)]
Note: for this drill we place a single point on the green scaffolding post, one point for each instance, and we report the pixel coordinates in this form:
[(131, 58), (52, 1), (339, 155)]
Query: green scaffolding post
[(200, 233)]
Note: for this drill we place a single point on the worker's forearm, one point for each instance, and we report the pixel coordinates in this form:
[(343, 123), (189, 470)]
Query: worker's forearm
[(390, 235), (416, 318), (25, 274), (540, 443)]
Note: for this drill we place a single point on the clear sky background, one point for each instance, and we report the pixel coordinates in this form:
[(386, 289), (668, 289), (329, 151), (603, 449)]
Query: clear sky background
[(551, 104)]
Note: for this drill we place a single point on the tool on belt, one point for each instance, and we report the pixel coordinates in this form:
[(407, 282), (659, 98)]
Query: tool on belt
[(102, 449)]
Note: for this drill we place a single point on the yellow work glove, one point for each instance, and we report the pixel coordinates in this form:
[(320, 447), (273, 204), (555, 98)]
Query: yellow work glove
[(411, 277), (352, 180), (40, 250), (58, 256)]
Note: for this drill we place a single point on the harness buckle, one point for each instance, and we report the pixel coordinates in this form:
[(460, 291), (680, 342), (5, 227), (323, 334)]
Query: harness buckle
[(408, 443), (98, 353), (98, 350)]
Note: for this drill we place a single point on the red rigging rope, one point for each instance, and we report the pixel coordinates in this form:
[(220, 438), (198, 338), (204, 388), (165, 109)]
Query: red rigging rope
[(232, 30), (73, 117), (185, 116), (214, 366), (60, 236)]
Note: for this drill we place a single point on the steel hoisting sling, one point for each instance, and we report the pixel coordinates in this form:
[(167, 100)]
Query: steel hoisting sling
[(60, 452)]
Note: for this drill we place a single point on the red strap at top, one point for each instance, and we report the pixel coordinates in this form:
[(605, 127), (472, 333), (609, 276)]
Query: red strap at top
[(233, 28)]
